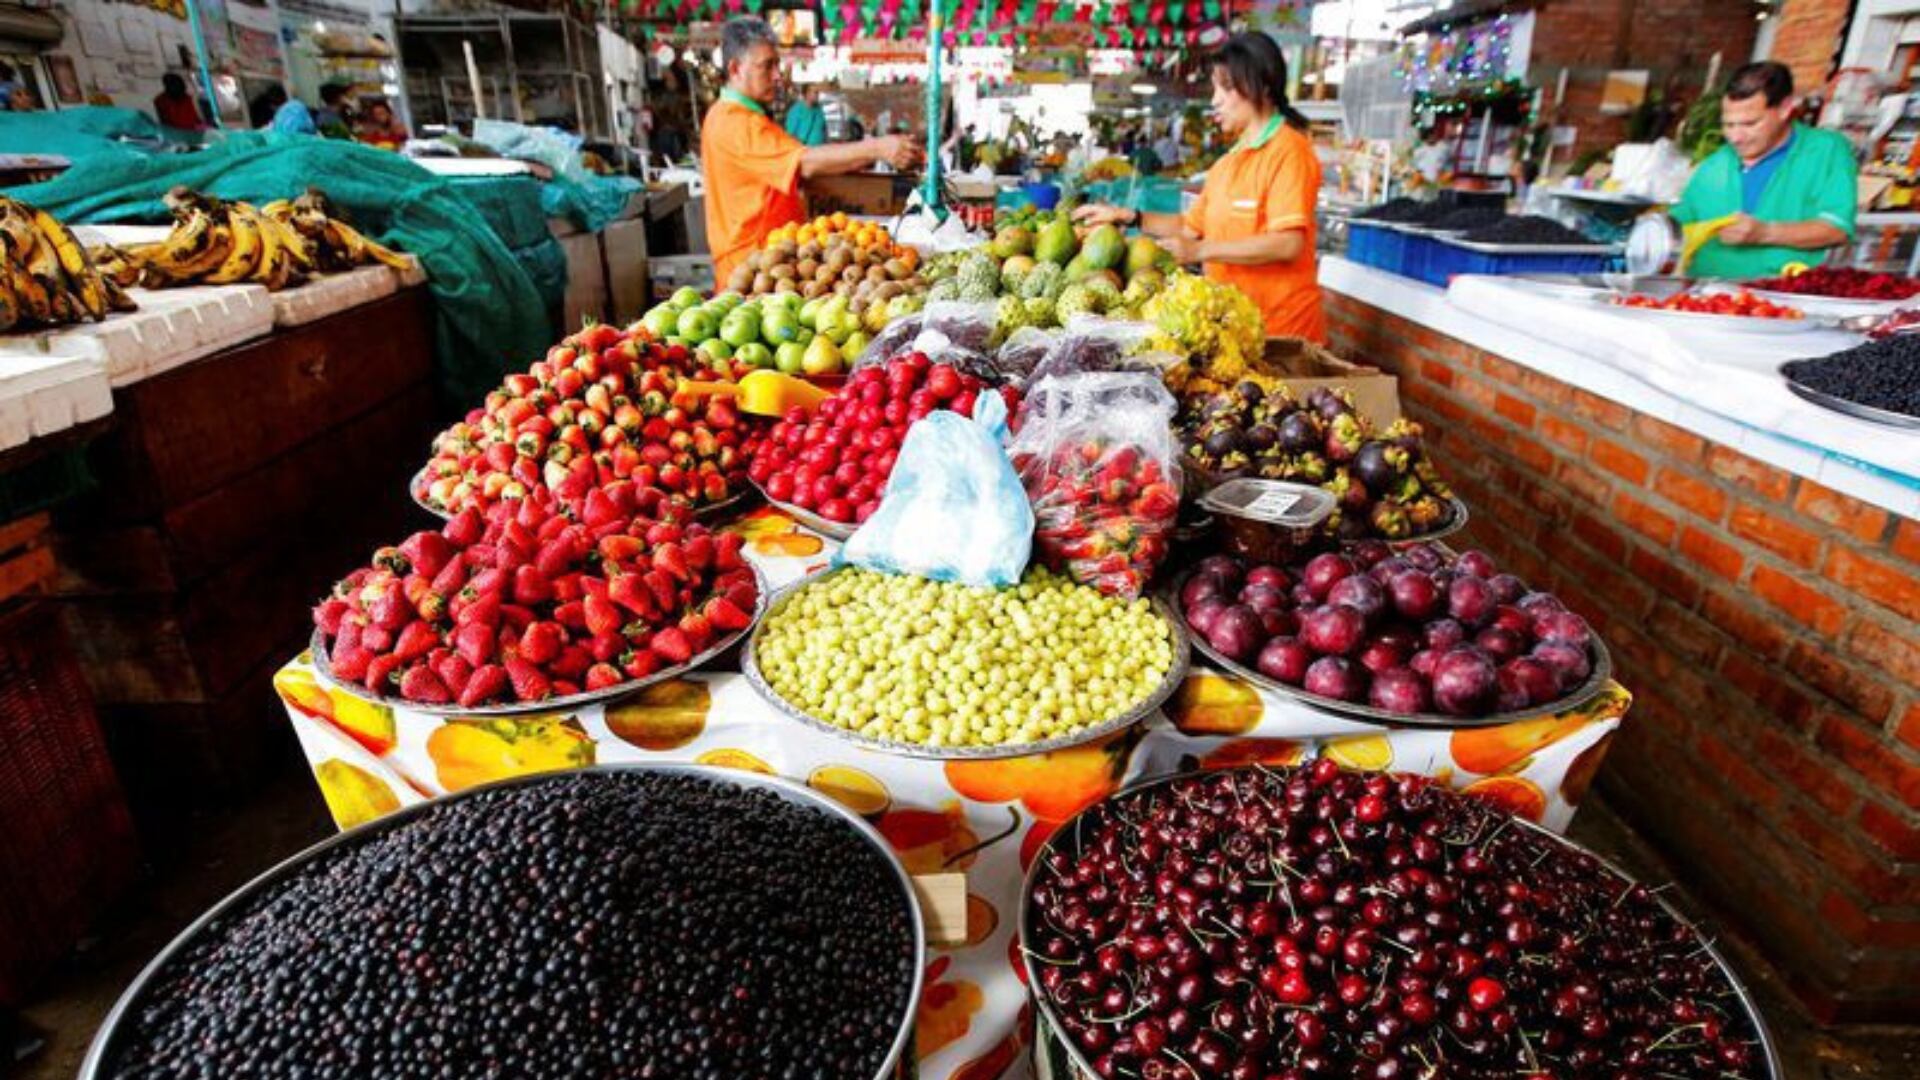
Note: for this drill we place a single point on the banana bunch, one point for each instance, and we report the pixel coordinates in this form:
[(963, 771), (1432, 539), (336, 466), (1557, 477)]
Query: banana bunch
[(46, 277), (215, 242)]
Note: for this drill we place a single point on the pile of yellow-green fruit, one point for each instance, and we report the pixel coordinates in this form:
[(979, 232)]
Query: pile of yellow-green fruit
[(904, 659)]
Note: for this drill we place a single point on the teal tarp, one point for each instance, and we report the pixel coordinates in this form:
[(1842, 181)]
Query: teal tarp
[(492, 314)]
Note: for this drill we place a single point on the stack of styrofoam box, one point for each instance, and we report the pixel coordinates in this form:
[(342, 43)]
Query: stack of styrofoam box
[(49, 393)]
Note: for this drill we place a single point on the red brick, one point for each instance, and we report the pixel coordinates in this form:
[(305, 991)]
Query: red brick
[(1872, 759), (1643, 519), (1858, 690), (1810, 607), (1896, 834), (1564, 433), (1696, 497), (1864, 872), (1745, 472), (1733, 768), (1817, 780), (1674, 442), (1754, 629), (1843, 512), (1909, 729), (1597, 533), (1546, 388), (1504, 370), (1887, 651), (1620, 461), (1861, 929), (1477, 391), (1665, 574), (1585, 482), (1906, 540), (1762, 682), (1882, 583), (1437, 371), (1514, 409), (1712, 553), (1775, 533), (1606, 413), (1687, 634)]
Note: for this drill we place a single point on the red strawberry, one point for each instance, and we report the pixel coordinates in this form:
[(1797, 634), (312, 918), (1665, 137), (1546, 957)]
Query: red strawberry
[(661, 586), (697, 628), (483, 611), (487, 682), (577, 481), (465, 529), (530, 586), (605, 647), (671, 560), (600, 616), (726, 553), (726, 616), (601, 676), (528, 682), (664, 532), (1156, 502), (422, 685), (541, 642), (743, 594), (379, 677), (640, 663), (329, 614), (631, 591), (551, 529), (621, 548), (572, 662), (475, 643), (348, 636), (565, 688), (490, 580), (376, 639), (514, 619), (599, 509), (427, 551), (567, 588), (452, 669), (349, 662), (390, 610), (452, 575), (573, 615), (416, 640), (672, 645), (700, 551)]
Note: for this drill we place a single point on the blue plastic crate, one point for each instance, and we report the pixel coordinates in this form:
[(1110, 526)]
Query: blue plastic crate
[(1364, 241), (1446, 259), (1424, 258)]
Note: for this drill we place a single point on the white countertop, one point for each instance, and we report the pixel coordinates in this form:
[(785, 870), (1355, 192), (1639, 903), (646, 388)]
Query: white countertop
[(1589, 369)]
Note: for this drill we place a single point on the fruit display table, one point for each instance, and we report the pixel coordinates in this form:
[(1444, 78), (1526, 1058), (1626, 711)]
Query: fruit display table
[(1752, 562), (983, 817)]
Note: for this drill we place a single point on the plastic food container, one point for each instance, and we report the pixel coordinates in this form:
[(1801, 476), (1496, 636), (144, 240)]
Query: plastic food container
[(1268, 521)]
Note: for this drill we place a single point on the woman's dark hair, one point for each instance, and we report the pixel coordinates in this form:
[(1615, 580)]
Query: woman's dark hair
[(1768, 77), (1255, 68)]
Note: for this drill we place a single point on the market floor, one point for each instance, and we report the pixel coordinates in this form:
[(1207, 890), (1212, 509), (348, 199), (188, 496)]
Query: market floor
[(221, 852)]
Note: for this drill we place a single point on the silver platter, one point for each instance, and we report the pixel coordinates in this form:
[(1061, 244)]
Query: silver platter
[(556, 704), (1176, 673), (1596, 681), (832, 530), (1839, 306), (100, 1054), (1062, 1060), (417, 486), (1869, 413), (1699, 320)]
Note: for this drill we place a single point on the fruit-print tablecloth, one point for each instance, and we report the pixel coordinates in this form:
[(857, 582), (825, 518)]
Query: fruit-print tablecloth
[(984, 817)]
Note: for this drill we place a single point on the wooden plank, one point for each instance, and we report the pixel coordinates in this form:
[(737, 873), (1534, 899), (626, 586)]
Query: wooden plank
[(121, 561), (25, 571), (22, 532), (193, 429)]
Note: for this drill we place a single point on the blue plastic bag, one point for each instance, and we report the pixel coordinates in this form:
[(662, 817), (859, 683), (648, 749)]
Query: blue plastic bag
[(954, 509)]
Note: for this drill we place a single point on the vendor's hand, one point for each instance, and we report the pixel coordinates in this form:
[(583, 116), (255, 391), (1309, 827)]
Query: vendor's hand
[(1101, 214), (1742, 231), (1184, 249), (897, 151)]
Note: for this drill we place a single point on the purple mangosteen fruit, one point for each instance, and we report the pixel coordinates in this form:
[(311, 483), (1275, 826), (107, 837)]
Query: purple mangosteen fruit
[(1324, 571), (1398, 690), (1236, 633), (1470, 599), (1285, 659), (1465, 682), (1333, 630), (1336, 677)]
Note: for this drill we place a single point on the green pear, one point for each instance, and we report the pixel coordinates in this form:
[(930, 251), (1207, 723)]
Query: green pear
[(856, 344)]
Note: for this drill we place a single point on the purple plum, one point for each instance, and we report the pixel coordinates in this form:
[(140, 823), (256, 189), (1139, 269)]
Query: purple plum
[(1202, 616), (1270, 576), (1202, 587), (1285, 659), (1569, 663), (1378, 656), (1443, 634), (1236, 633), (1536, 682), (1415, 596), (1336, 677), (1423, 663), (1563, 628), (1502, 645), (1333, 630), (1368, 553), (1470, 599), (1465, 682), (1507, 588), (1398, 690), (1363, 594), (1322, 572), (1265, 598), (1477, 563), (1424, 557)]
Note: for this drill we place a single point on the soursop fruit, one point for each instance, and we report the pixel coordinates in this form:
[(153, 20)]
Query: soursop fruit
[(1075, 300), (1040, 281), (1039, 311)]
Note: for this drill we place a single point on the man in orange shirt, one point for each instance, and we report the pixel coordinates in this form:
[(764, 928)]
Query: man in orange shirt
[(752, 167), (1253, 225)]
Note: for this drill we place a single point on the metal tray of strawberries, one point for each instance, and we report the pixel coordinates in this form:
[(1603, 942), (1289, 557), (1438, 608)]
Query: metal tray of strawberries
[(318, 648), (417, 487)]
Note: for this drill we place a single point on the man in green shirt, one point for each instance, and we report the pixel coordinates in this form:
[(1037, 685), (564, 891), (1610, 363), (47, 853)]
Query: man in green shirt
[(806, 120), (1789, 188)]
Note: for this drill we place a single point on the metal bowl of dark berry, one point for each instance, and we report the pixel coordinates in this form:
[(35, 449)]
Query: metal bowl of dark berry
[(646, 920), (1316, 922)]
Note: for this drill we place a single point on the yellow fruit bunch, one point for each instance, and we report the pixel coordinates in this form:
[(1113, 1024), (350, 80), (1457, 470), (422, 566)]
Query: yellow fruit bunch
[(46, 277), (1215, 325)]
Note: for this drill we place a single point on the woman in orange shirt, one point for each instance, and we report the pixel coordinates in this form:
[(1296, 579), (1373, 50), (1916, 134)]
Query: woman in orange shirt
[(1252, 226)]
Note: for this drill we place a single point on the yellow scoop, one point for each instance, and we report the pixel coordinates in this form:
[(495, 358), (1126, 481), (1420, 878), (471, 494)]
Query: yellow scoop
[(762, 393)]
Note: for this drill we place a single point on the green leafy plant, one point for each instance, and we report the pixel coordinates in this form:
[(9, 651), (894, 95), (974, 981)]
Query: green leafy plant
[(1700, 133)]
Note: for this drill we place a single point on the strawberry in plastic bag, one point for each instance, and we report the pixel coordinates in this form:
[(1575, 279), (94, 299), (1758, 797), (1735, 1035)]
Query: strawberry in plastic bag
[(1095, 455)]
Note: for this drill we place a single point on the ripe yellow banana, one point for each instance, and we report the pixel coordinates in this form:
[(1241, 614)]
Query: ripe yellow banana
[(10, 313), (117, 298), (360, 248), (83, 282), (243, 226), (196, 246)]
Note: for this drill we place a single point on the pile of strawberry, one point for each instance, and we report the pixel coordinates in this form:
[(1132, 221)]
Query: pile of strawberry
[(527, 602), (836, 460), (605, 405), (1102, 512)]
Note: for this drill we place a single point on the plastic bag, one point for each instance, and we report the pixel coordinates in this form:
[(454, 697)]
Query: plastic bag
[(1022, 352), (1097, 457), (932, 332), (967, 325), (953, 509), (1090, 343)]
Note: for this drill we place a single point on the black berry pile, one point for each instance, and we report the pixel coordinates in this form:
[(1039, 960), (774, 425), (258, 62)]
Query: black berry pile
[(1316, 923), (1525, 229), (1401, 211), (593, 925), (1884, 374), (1469, 217)]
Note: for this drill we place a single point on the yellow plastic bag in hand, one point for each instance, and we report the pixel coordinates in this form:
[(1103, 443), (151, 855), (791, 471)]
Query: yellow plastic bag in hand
[(1695, 236)]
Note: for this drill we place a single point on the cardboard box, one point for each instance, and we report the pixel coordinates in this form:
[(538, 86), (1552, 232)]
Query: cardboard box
[(879, 194), (1306, 367)]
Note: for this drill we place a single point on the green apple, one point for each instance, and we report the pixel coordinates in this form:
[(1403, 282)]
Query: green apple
[(822, 357), (696, 324), (726, 301), (779, 327), (788, 356), (741, 325), (754, 354), (716, 349), (810, 313), (675, 339), (659, 321), (684, 297), (803, 337)]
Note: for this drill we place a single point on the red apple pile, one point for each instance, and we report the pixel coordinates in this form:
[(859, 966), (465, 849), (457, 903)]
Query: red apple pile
[(836, 460), (1102, 511), (604, 406), (527, 602), (1409, 632)]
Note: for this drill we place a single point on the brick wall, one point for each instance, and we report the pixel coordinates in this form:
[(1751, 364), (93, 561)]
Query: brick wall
[(1808, 39), (1671, 39), (1765, 624)]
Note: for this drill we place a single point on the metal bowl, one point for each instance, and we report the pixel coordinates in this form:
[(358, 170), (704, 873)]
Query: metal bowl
[(1872, 414), (1176, 673), (833, 530), (704, 512), (1597, 680), (1057, 1058), (100, 1054), (556, 704)]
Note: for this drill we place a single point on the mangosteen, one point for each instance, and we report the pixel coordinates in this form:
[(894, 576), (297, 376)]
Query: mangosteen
[(1262, 437), (1330, 404), (1390, 521), (1311, 468), (1344, 437), (1379, 467), (1250, 392), (1221, 441), (1298, 433)]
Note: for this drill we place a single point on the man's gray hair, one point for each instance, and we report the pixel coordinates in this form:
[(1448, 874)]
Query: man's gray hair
[(741, 35)]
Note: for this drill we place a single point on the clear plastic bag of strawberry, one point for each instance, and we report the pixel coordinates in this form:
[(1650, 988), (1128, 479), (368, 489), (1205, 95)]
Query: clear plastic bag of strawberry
[(1097, 457)]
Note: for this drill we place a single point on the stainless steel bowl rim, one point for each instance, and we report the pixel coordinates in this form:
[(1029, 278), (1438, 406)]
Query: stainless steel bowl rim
[(97, 1059), (703, 512), (832, 530)]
